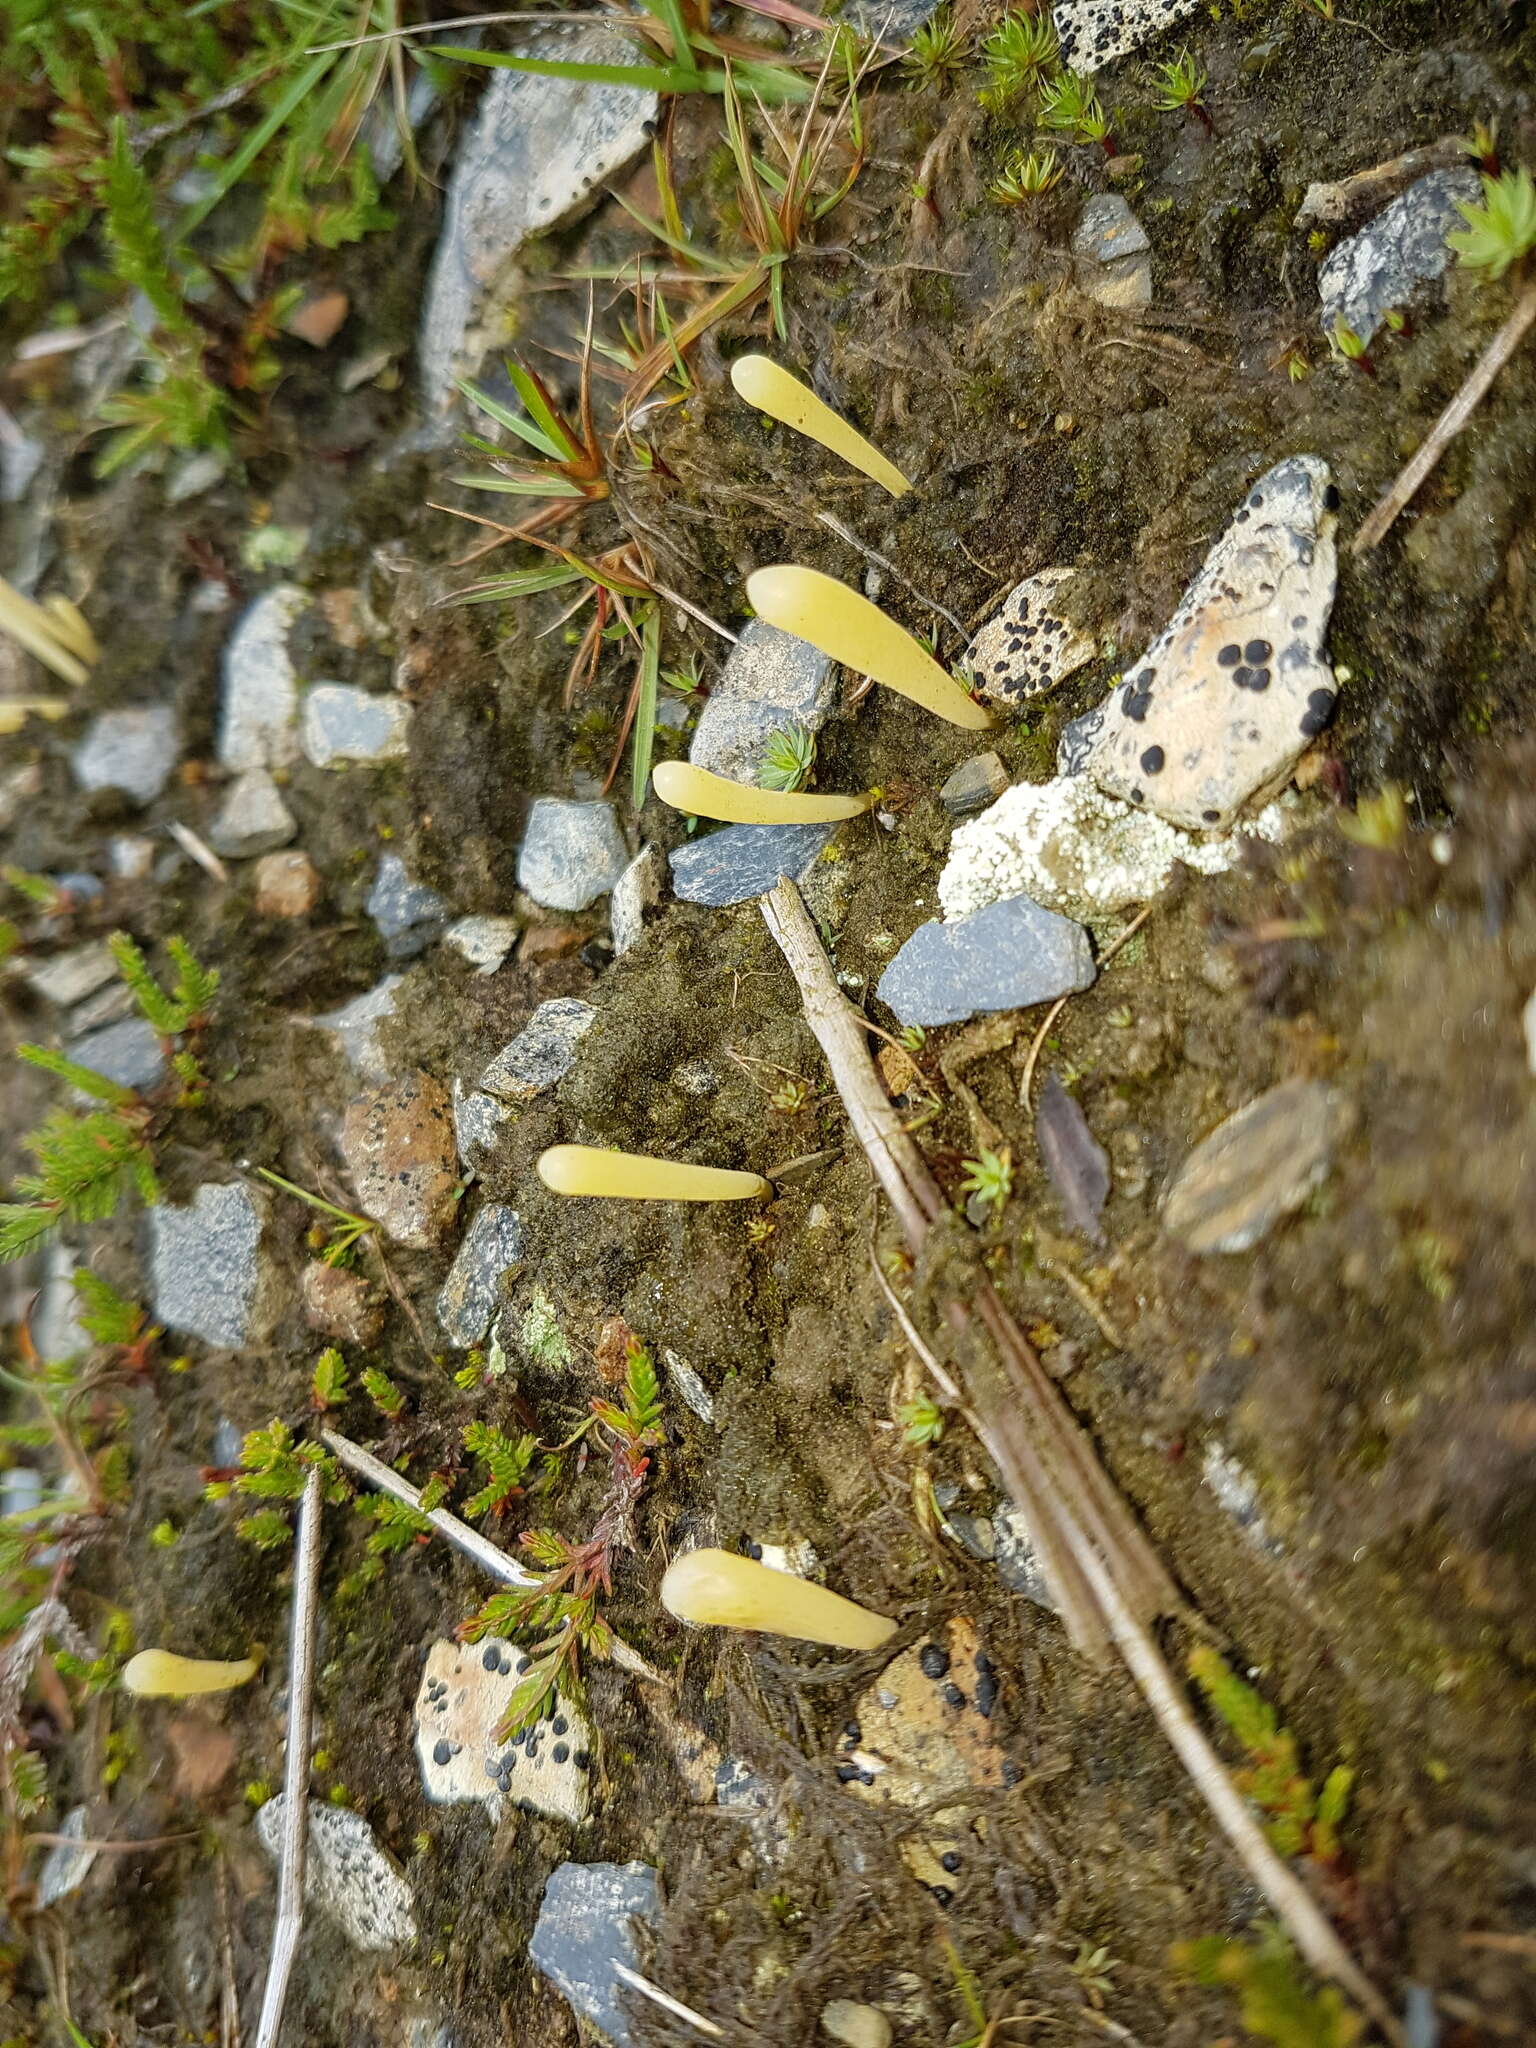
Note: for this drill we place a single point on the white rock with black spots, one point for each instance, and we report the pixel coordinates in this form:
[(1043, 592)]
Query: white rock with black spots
[(1225, 701), (466, 1689), (1026, 647), (1095, 32), (347, 1875)]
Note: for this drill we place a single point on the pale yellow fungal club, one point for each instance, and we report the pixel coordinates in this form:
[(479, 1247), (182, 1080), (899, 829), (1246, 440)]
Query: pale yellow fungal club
[(849, 629), (704, 795), (715, 1587), (775, 391), (634, 1177), (54, 631), (161, 1674)]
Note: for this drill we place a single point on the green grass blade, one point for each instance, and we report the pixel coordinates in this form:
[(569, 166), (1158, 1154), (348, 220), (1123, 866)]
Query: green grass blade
[(670, 14), (643, 77), (527, 388), (515, 422), (645, 710), (229, 174), (523, 486), (519, 583)]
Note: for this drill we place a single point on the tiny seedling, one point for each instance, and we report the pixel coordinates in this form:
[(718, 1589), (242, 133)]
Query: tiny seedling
[(790, 1095), (921, 1419), (1094, 1968), (1023, 179), (1020, 55), (989, 1177), (937, 54), (1351, 347), (788, 758), (340, 1247), (1481, 143), (1181, 90), (568, 468), (1070, 106), (1501, 231)]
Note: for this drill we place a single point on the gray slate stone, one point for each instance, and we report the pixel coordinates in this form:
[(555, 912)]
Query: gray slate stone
[(471, 1294), (1006, 957), (477, 1123), (1017, 1565), (572, 853), (70, 977), (408, 914), (343, 724), (355, 1027), (1258, 1166), (636, 891), (974, 784), (583, 1930), (261, 689), (537, 151), (1113, 254), (1371, 273), (128, 1053), (133, 750), (742, 861), (771, 681), (205, 1264), (252, 818), (68, 1863), (542, 1053)]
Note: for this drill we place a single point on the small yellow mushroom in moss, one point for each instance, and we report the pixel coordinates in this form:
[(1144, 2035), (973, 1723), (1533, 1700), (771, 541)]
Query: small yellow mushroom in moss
[(704, 795), (713, 1586), (161, 1674), (775, 391), (850, 629), (635, 1177)]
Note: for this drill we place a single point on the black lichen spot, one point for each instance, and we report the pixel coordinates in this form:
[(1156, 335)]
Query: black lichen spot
[(491, 1659), (1299, 623), (950, 1860), (1138, 796), (1152, 761), (1211, 817), (851, 1730), (933, 1660), (866, 1777), (582, 1760), (941, 1893), (755, 1550), (1257, 501), (1318, 712), (1230, 655), (848, 1774), (984, 1664), (986, 1695), (1136, 697), (522, 1666), (1331, 498), (953, 1696), (1257, 651), (560, 1724), (561, 1752), (1011, 1771), (442, 1753)]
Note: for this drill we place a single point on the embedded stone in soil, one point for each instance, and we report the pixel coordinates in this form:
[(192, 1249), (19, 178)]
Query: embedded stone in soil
[(484, 941), (583, 1929), (742, 861), (260, 689), (408, 914), (1005, 957), (206, 1271), (572, 853), (771, 682), (1257, 1167), (973, 785), (1403, 249), (636, 891), (466, 1690), (542, 1053), (342, 724), (128, 1052), (133, 750), (347, 1875), (1113, 254), (397, 1142), (470, 1296), (356, 1025), (252, 818)]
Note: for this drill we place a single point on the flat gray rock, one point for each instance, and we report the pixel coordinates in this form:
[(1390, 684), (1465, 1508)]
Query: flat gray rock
[(356, 1025), (1403, 248), (742, 861), (68, 1863), (205, 1264), (68, 978), (477, 1123), (572, 853), (1113, 254), (408, 914), (484, 941), (771, 682), (347, 1875), (974, 784), (1006, 957), (1257, 1167), (252, 819), (471, 1294), (636, 891), (542, 1053), (133, 750), (536, 152), (583, 1930), (127, 1052), (261, 690), (1017, 1565), (342, 724)]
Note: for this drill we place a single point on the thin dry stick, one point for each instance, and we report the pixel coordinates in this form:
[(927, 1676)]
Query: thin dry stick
[(667, 2002), (1450, 422), (1109, 1582), (1038, 1041), (479, 1549), (301, 1686)]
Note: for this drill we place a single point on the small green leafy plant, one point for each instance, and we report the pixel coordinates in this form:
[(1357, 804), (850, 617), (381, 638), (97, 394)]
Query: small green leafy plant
[(937, 54), (1351, 347), (1025, 178), (1501, 231), (788, 758), (1274, 2000), (1301, 1819), (1069, 106), (1181, 90), (989, 1177), (568, 469), (921, 1419), (1020, 55)]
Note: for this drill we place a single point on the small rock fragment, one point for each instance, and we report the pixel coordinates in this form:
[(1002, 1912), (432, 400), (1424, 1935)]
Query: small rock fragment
[(471, 1294), (252, 818), (572, 853), (1260, 1165), (356, 1025), (1237, 1493), (1005, 957), (542, 1053), (260, 693), (742, 861), (1077, 1163), (68, 978), (204, 1754), (771, 682), (855, 2025), (340, 1304), (132, 856), (484, 941), (1017, 1565), (477, 1123), (348, 1875), (1026, 647), (1093, 33), (636, 891), (287, 885), (974, 784), (317, 318), (397, 1141), (134, 751), (68, 1863), (1114, 257), (690, 1386), (55, 1326), (1335, 203), (129, 1053), (1379, 270), (408, 914), (342, 724), (207, 1277), (583, 1930), (466, 1690)]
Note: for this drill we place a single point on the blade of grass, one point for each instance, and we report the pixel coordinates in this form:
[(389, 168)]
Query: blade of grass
[(772, 83), (670, 14), (531, 391), (515, 423), (645, 709), (523, 486), (229, 174)]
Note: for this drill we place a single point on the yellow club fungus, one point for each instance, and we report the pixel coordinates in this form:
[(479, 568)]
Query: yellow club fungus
[(56, 633), (161, 1674), (632, 1176), (716, 1587), (15, 711), (850, 629), (782, 396), (704, 795)]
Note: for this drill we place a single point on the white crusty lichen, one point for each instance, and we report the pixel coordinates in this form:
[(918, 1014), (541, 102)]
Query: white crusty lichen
[(1071, 848)]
